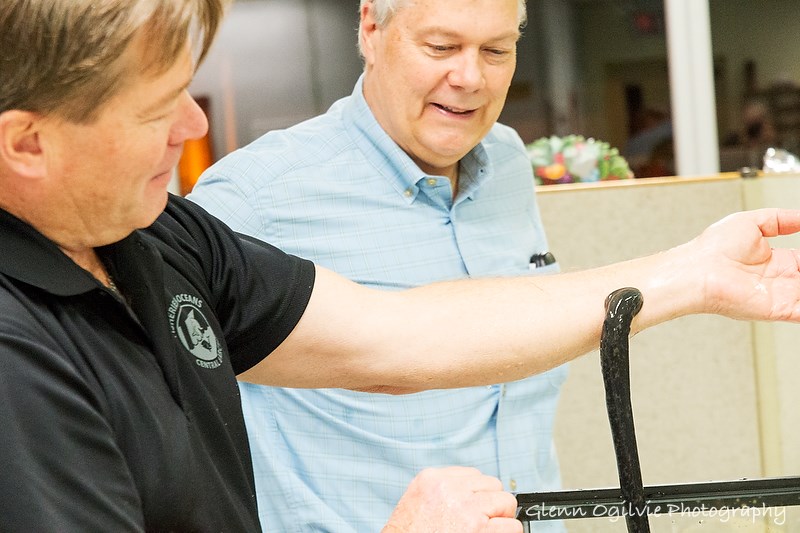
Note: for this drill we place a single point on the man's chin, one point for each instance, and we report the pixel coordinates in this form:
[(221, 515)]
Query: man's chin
[(153, 209)]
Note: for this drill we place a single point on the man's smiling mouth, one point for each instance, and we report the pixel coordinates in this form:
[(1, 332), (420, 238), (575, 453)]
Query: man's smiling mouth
[(453, 110)]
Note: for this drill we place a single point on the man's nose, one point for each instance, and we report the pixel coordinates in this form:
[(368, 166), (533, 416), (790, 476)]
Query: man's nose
[(192, 122), (467, 72)]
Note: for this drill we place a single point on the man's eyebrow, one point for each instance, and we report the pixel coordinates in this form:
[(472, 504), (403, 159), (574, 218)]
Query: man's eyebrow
[(447, 33)]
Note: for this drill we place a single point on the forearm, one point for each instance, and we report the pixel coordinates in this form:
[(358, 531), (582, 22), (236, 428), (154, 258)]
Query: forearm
[(494, 331), (462, 333)]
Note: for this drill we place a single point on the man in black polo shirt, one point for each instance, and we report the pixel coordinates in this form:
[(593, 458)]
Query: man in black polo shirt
[(127, 314)]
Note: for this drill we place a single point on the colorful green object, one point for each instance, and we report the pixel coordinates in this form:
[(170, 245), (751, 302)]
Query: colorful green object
[(574, 159)]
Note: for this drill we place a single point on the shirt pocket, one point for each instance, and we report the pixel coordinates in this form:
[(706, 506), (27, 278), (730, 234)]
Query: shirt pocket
[(552, 268)]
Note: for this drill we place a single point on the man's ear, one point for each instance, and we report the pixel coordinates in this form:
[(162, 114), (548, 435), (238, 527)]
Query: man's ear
[(20, 144), (368, 29)]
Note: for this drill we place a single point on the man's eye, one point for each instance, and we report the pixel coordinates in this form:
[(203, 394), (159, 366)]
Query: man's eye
[(163, 114), (439, 48)]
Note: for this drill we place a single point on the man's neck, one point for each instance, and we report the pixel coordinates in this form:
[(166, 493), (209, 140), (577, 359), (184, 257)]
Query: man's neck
[(88, 260)]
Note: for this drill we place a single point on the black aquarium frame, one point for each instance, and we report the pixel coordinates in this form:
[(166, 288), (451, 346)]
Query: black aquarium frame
[(632, 500)]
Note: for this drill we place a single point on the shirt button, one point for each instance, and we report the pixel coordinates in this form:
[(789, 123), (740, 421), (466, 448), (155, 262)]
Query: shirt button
[(431, 181), (503, 390), (513, 484), (407, 193)]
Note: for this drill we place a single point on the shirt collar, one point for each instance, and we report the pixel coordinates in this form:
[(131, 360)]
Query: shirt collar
[(393, 163), (475, 170), (32, 258)]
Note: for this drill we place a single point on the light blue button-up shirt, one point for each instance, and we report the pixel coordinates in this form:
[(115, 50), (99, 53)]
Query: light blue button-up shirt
[(336, 189)]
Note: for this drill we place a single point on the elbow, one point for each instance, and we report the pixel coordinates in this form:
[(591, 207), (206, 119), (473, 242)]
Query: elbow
[(388, 389)]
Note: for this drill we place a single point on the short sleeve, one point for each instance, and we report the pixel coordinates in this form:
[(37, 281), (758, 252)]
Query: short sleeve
[(258, 292)]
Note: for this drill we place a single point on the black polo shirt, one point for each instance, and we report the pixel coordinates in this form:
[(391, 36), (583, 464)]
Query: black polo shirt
[(124, 415)]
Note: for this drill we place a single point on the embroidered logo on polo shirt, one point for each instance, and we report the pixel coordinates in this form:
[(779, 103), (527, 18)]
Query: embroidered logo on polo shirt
[(192, 328)]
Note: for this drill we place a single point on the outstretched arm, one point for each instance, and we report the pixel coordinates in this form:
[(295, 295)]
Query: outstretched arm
[(475, 332)]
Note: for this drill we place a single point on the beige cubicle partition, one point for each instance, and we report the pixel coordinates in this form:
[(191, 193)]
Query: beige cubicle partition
[(714, 398)]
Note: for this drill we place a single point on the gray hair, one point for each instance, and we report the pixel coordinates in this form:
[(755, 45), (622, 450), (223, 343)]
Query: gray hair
[(67, 57), (386, 9)]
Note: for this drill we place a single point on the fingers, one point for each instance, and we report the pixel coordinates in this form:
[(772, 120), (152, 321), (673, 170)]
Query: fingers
[(455, 500), (503, 525), (772, 221), (786, 222), (496, 504), (478, 491)]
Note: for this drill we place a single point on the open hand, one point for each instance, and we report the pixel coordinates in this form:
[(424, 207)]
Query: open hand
[(745, 277)]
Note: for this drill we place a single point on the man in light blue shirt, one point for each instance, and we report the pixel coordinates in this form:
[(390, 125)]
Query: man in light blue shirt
[(408, 181)]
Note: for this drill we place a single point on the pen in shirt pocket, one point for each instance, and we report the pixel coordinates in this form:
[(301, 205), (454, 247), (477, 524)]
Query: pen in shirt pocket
[(541, 260)]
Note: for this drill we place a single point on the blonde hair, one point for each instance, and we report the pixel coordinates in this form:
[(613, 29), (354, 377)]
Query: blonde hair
[(67, 57), (385, 9)]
